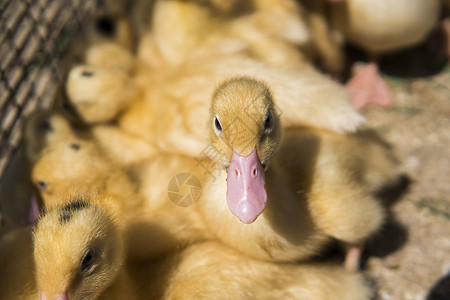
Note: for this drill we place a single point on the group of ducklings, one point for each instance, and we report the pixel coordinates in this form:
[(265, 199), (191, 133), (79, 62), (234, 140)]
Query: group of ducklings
[(271, 161)]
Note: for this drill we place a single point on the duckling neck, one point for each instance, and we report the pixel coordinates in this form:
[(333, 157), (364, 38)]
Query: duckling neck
[(285, 221)]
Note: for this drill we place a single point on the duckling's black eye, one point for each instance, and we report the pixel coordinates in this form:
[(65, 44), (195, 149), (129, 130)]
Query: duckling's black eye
[(106, 26), (75, 146), (217, 124), (88, 260), (46, 126), (67, 107), (41, 185), (268, 122), (87, 74)]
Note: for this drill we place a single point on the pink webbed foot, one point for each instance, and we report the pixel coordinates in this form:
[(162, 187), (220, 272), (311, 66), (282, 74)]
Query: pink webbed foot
[(353, 254), (366, 87)]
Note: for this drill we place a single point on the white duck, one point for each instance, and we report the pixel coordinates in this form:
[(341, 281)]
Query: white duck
[(380, 27)]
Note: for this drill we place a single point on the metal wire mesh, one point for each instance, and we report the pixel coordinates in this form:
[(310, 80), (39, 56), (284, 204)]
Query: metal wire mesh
[(34, 35)]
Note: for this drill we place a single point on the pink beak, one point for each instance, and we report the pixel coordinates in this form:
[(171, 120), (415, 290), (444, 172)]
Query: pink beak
[(246, 187), (61, 297)]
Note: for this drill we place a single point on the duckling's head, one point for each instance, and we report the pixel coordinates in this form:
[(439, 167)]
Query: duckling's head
[(100, 94), (68, 163), (43, 128), (78, 252), (246, 131)]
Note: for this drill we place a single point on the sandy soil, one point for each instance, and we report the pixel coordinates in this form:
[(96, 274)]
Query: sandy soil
[(418, 126)]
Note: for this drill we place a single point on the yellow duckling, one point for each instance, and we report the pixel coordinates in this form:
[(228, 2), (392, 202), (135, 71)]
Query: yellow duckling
[(43, 128), (325, 48), (210, 270), (167, 108), (77, 164), (98, 93), (283, 198), (271, 29), (319, 219), (79, 254), (109, 27)]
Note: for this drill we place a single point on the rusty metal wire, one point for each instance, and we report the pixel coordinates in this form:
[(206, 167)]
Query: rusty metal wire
[(34, 35)]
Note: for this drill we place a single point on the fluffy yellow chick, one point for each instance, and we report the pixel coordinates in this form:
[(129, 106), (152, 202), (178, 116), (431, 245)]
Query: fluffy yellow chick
[(172, 103), (210, 270), (98, 93), (108, 27), (43, 128), (79, 254), (47, 127), (271, 29), (74, 164), (325, 48), (172, 99), (283, 198), (56, 169)]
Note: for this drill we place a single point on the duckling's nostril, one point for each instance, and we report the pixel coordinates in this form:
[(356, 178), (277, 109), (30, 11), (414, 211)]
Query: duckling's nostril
[(255, 172), (63, 297), (237, 172)]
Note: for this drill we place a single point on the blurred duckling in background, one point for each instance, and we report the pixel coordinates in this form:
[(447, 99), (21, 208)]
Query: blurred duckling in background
[(105, 85), (166, 104), (99, 94), (44, 128), (79, 253), (290, 194), (381, 27), (325, 48), (167, 107), (120, 197), (270, 29), (108, 27), (77, 164)]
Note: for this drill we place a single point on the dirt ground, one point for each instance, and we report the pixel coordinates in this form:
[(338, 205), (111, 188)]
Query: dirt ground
[(410, 259), (416, 261)]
